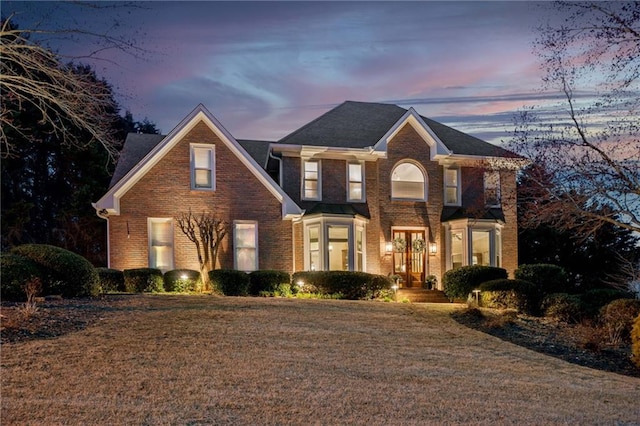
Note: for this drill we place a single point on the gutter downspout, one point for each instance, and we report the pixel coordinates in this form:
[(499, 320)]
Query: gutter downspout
[(103, 214)]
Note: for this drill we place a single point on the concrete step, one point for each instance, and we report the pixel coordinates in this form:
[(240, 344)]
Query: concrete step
[(421, 295)]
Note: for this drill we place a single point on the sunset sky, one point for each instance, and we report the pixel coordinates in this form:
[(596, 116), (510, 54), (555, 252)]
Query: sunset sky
[(266, 68)]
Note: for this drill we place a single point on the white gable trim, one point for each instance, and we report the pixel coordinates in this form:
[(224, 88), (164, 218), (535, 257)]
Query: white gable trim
[(437, 148), (111, 200)]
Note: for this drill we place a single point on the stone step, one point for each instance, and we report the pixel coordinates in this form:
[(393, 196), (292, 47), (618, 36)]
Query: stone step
[(421, 295)]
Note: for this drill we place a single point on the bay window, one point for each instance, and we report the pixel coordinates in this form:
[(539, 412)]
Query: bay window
[(473, 242), (334, 244)]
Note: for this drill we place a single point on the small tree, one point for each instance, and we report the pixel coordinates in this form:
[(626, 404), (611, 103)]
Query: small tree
[(207, 232)]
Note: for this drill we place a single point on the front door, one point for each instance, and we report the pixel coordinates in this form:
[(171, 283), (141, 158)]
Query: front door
[(409, 248)]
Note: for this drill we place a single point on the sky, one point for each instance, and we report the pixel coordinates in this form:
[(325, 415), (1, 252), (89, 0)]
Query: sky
[(266, 68)]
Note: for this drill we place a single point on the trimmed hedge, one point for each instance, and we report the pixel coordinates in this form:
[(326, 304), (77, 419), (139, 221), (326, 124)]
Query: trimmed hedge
[(635, 342), (143, 280), (547, 278), (110, 279), (350, 285), (563, 307), (617, 319), (271, 283), (63, 272), (458, 283), (230, 282), (182, 280), (15, 270), (520, 295)]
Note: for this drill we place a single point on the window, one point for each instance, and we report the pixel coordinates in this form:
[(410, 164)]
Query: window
[(245, 239), (452, 187), (492, 188), (338, 248), (473, 242), (480, 254), (359, 266), (334, 244), (202, 167), (355, 184), (161, 244), (407, 182), (456, 250), (314, 248), (311, 180)]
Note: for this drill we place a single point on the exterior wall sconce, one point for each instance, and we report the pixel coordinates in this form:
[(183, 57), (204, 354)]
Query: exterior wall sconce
[(433, 249), (388, 247)]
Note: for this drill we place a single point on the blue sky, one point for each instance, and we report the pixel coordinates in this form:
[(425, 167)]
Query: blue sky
[(266, 68)]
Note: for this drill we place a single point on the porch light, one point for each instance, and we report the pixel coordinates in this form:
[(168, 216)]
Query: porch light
[(433, 249), (388, 247)]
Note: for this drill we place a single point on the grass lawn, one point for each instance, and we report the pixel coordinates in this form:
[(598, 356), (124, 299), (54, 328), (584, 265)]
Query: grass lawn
[(199, 360)]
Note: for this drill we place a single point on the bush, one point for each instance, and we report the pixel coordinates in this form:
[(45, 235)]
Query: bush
[(230, 282), (563, 307), (635, 342), (110, 279), (63, 272), (182, 280), (595, 299), (617, 319), (269, 283), (458, 283), (143, 280), (520, 295), (351, 285), (15, 271), (547, 278)]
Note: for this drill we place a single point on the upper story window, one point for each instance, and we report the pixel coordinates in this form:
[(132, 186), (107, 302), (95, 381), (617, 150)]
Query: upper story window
[(408, 182), (355, 182), (452, 187), (203, 167), (311, 180), (492, 188)]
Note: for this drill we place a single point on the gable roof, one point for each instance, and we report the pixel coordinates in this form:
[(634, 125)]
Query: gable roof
[(135, 147), (259, 150), (363, 124), (110, 202)]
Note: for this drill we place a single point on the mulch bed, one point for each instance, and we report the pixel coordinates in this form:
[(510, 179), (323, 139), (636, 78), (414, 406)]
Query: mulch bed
[(581, 344)]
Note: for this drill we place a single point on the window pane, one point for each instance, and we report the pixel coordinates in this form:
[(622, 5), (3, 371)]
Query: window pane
[(359, 249), (203, 178), (311, 189), (314, 248), (245, 235), (246, 259), (451, 177), (452, 195), (355, 172), (202, 158), (355, 191), (411, 190), (338, 248), (456, 250), (480, 248)]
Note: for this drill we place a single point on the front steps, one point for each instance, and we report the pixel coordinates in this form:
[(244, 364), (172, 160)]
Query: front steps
[(421, 295)]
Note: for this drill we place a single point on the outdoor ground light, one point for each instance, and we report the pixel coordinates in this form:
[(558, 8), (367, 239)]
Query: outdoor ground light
[(476, 292)]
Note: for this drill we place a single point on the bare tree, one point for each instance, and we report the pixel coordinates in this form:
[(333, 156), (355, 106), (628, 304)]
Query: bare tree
[(206, 232), (591, 153)]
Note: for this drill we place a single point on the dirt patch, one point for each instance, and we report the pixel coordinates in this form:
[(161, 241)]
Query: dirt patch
[(581, 344)]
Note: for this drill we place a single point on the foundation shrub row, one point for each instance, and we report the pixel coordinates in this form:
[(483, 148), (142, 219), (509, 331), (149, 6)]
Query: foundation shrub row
[(349, 285)]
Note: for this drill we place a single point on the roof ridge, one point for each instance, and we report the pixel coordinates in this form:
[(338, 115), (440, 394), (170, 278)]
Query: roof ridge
[(299, 129)]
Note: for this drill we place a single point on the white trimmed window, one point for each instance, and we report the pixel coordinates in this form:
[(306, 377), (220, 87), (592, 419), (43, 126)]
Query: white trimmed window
[(333, 244), (408, 183), (355, 182), (311, 182), (203, 167), (492, 188), (473, 243), (160, 243), (452, 187), (245, 243)]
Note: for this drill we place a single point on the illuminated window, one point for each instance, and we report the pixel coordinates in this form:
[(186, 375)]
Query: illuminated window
[(161, 244), (311, 180), (359, 266), (473, 243), (452, 187), (355, 177), (334, 244), (457, 250), (245, 243), (202, 167), (314, 248), (492, 188), (407, 182)]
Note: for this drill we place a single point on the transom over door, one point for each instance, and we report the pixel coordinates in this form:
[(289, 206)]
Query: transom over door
[(409, 249)]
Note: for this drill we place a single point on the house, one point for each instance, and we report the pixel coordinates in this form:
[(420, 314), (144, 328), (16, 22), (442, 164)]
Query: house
[(366, 187)]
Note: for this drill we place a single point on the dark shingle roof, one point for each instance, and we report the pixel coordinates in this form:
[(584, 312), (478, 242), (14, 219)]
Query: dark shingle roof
[(259, 150), (362, 124), (136, 146)]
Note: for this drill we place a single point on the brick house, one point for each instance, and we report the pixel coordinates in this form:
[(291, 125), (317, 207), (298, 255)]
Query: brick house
[(366, 186)]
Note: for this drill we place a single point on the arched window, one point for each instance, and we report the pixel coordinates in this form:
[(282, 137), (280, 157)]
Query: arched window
[(408, 182)]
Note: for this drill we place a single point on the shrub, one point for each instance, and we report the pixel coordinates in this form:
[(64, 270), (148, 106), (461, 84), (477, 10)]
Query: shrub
[(269, 283), (635, 342), (458, 283), (143, 280), (563, 307), (547, 278), (182, 280), (595, 299), (230, 282), (617, 319), (351, 285), (63, 272), (15, 271), (110, 279), (520, 295)]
